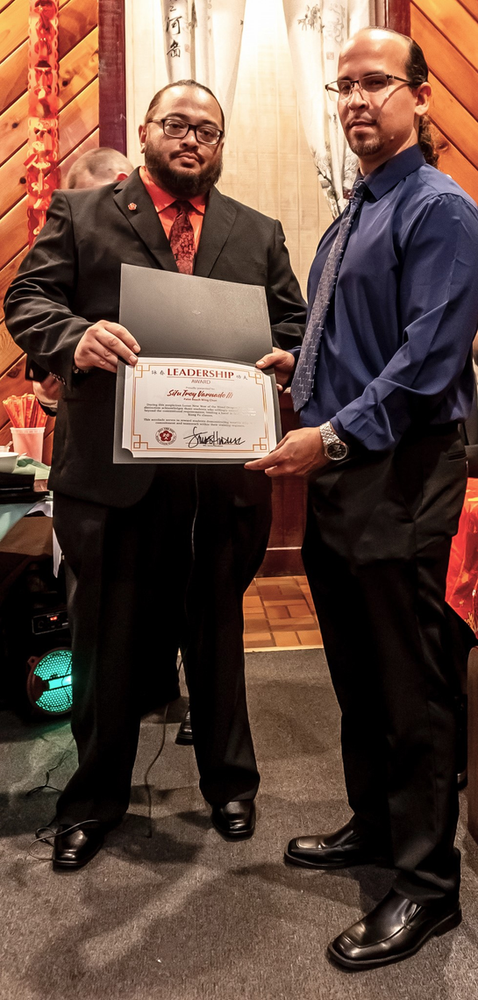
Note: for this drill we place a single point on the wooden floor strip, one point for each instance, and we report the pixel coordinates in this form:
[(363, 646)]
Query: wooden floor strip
[(279, 614)]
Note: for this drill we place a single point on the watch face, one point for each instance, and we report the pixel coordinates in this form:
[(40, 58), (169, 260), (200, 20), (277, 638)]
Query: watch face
[(337, 450)]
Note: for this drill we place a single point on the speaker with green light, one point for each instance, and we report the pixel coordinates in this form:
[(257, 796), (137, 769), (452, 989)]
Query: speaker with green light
[(49, 682), (35, 640)]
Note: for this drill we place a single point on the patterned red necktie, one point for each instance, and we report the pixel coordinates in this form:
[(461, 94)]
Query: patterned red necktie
[(181, 238)]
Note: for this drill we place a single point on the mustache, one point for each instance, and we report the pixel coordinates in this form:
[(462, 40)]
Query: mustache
[(361, 120), (188, 152)]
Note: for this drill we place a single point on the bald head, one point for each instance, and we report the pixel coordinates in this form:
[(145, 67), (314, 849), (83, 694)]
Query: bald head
[(98, 167), (380, 120)]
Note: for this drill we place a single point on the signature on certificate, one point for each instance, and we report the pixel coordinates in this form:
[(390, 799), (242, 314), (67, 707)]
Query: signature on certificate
[(215, 439)]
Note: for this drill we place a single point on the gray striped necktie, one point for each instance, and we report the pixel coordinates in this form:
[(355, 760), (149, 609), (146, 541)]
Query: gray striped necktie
[(303, 381)]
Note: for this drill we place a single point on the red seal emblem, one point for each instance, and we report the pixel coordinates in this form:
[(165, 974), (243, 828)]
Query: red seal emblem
[(132, 206), (165, 435)]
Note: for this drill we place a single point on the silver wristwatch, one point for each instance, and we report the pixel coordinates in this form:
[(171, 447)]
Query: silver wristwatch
[(334, 448)]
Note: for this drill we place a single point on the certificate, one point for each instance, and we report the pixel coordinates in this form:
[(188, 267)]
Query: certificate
[(195, 394), (197, 410)]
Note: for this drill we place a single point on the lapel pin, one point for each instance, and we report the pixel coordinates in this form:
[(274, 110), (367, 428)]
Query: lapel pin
[(132, 206)]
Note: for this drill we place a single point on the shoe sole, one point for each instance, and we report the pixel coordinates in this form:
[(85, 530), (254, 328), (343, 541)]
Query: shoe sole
[(184, 741), (447, 924), (291, 859)]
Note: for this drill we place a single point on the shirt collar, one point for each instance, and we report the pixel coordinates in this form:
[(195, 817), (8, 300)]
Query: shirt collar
[(388, 174), (162, 199)]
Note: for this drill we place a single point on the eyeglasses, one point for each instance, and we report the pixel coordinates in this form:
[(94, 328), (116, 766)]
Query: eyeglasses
[(176, 129), (371, 83)]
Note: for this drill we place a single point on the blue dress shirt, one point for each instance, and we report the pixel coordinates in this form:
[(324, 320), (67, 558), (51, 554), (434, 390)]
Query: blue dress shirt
[(397, 340)]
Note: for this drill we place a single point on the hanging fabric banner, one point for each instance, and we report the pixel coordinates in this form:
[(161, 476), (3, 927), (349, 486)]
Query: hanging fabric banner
[(42, 175), (178, 41), (317, 33), (203, 42)]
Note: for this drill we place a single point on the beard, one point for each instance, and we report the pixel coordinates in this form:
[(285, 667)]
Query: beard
[(180, 183), (365, 147)]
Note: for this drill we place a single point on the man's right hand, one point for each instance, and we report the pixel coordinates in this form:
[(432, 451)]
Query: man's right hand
[(282, 361), (102, 345)]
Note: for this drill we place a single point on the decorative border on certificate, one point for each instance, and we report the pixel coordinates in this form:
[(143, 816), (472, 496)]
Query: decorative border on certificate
[(189, 409)]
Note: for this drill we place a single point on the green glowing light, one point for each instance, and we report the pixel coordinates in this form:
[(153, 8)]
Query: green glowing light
[(51, 681)]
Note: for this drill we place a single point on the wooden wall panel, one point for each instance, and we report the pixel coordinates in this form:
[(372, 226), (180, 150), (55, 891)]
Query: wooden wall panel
[(453, 21), (14, 27), (447, 30), (454, 120), (79, 117), (13, 232), (7, 274), (446, 63), (454, 163), (8, 352), (471, 6)]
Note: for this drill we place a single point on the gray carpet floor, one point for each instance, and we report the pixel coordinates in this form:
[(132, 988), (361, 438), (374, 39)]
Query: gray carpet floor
[(184, 915)]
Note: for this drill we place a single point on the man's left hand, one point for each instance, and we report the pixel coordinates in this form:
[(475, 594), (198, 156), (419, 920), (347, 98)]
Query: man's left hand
[(297, 454)]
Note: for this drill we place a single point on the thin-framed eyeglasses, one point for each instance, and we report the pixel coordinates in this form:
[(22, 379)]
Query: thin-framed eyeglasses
[(370, 83), (176, 129)]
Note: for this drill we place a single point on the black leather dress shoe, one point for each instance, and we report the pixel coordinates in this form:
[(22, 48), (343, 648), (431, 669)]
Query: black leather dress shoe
[(75, 849), (185, 733), (394, 930), (334, 850), (235, 820)]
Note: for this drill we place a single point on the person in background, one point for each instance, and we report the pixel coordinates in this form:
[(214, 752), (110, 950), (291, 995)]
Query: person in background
[(381, 382), (92, 169)]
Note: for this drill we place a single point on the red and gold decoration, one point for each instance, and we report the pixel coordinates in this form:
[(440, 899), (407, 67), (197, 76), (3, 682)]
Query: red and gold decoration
[(42, 173)]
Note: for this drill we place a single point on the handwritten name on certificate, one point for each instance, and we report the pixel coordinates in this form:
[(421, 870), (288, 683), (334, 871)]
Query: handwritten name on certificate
[(188, 409)]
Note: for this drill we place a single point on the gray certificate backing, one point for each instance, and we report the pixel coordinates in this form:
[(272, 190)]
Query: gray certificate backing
[(183, 315)]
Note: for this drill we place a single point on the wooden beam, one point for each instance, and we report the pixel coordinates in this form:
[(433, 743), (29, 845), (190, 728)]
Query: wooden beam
[(397, 15), (112, 74)]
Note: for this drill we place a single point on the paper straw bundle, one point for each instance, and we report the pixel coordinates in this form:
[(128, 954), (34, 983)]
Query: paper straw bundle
[(25, 411)]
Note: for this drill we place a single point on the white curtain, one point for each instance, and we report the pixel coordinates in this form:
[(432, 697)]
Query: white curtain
[(317, 32), (203, 42)]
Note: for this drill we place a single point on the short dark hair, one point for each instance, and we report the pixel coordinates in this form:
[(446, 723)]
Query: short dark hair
[(182, 83)]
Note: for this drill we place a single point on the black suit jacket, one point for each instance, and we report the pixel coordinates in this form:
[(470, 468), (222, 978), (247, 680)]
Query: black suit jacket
[(71, 279)]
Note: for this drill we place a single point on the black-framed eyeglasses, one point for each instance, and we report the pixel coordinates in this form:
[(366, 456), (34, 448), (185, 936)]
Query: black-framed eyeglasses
[(370, 83), (176, 129)]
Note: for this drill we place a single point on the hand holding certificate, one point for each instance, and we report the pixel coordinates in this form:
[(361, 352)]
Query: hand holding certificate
[(196, 409)]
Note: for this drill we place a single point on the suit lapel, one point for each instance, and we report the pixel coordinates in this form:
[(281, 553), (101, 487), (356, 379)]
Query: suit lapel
[(218, 222), (144, 219)]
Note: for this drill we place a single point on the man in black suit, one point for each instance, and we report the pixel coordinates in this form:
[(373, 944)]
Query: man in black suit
[(155, 553)]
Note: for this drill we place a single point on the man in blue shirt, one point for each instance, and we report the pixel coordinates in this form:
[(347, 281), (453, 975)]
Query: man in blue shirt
[(379, 409)]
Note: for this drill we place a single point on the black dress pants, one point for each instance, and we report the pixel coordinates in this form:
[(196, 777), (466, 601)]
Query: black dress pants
[(169, 571), (376, 554)]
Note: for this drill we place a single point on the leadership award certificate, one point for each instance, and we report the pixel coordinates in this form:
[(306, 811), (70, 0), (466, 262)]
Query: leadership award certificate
[(197, 410)]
